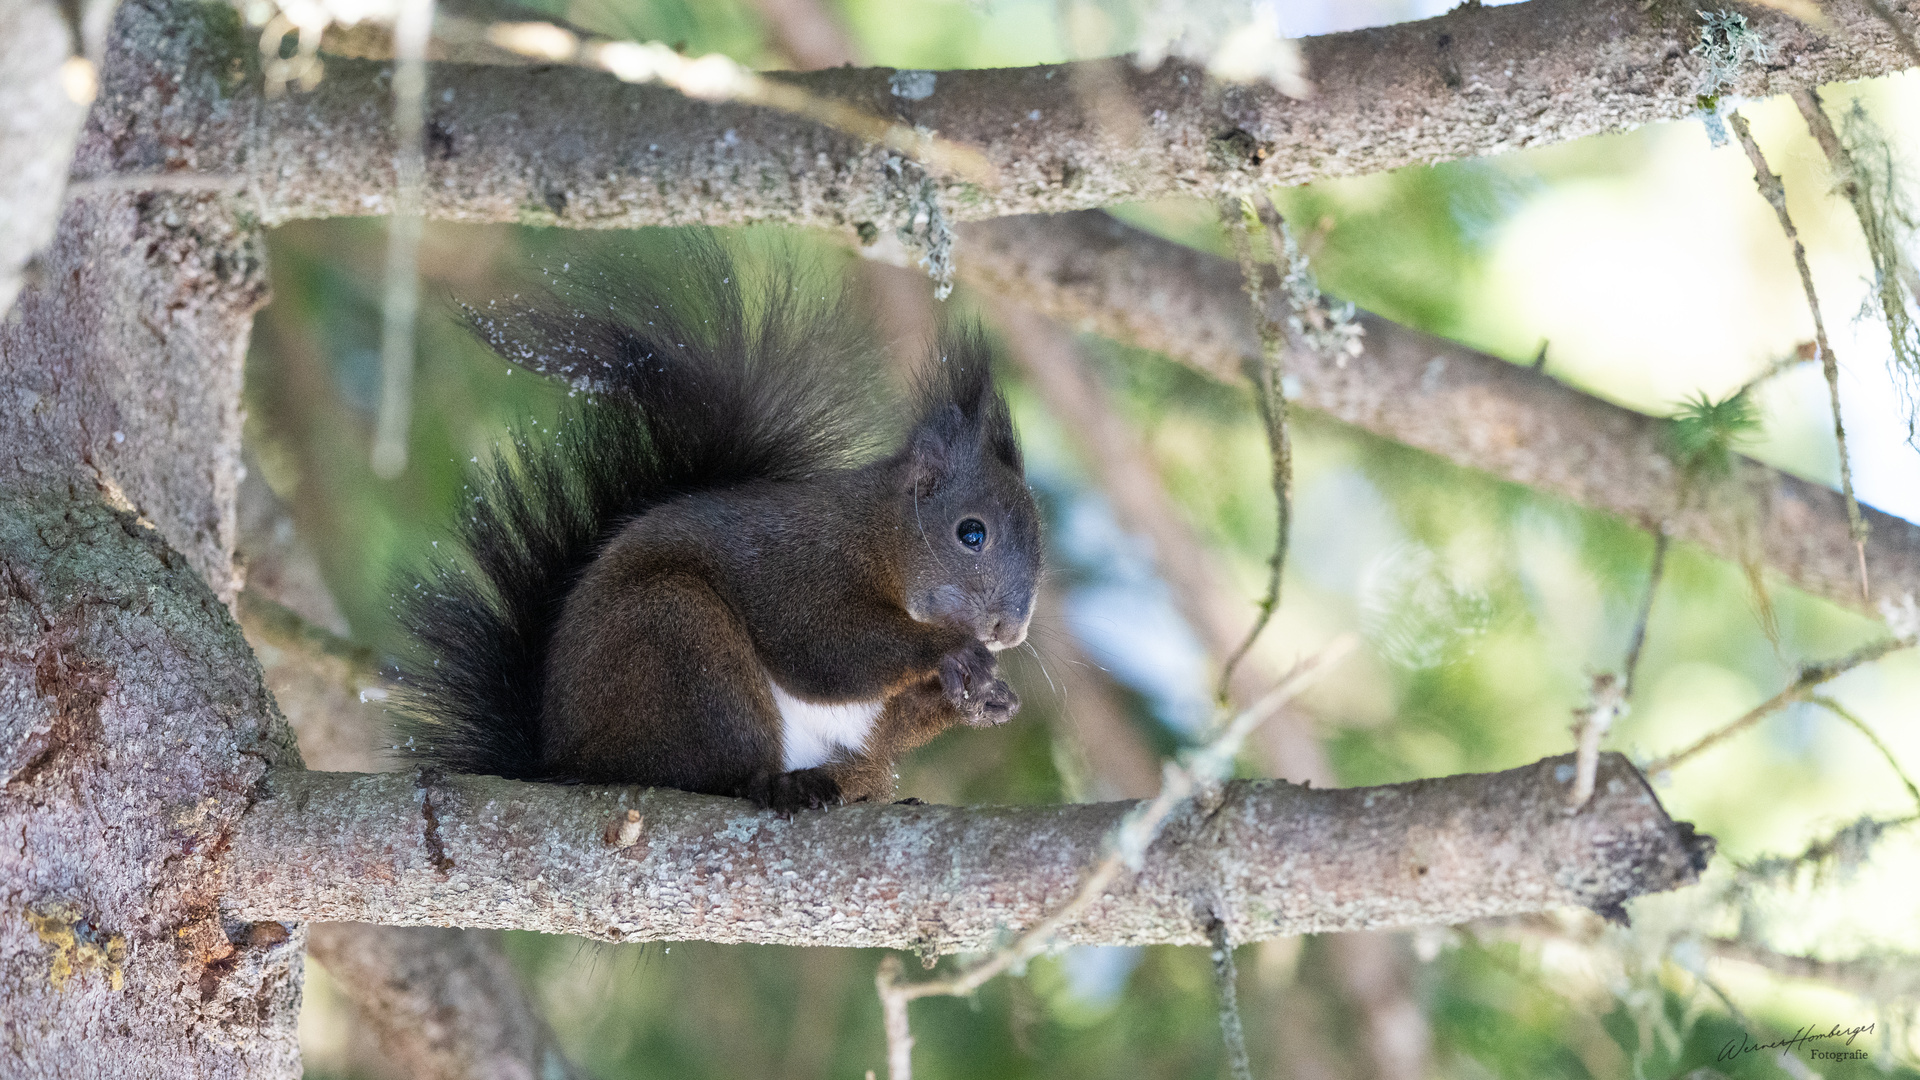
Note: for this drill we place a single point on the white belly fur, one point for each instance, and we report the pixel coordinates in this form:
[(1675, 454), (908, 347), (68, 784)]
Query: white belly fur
[(810, 734)]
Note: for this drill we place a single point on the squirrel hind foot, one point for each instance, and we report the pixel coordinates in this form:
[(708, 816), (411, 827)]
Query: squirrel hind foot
[(785, 792)]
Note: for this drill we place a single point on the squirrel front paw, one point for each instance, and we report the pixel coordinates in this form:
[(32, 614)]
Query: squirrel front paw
[(973, 685), (785, 792)]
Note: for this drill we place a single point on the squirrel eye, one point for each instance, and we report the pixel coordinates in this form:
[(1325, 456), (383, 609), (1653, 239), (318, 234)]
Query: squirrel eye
[(972, 532)]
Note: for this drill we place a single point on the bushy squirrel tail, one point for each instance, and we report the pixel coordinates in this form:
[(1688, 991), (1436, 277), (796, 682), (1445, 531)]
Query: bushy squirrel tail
[(690, 383)]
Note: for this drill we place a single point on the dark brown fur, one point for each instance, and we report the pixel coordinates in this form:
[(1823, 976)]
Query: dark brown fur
[(711, 559)]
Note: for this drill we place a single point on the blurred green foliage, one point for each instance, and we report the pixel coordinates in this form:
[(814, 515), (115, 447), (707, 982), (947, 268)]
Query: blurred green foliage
[(1706, 433)]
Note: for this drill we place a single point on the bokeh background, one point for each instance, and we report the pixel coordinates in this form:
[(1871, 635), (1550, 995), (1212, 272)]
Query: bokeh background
[(1650, 269)]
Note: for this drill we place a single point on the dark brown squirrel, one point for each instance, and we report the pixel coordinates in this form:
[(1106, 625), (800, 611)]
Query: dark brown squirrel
[(705, 577)]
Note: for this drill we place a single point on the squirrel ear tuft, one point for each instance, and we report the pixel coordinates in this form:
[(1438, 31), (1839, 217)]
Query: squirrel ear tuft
[(1000, 437), (931, 448)]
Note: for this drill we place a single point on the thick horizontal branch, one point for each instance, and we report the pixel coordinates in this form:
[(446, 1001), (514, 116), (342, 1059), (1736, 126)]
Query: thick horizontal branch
[(572, 147), (1092, 271), (1271, 858)]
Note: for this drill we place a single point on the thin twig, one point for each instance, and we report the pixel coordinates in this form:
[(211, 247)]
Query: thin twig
[(1606, 701), (1225, 979), (1864, 976), (1610, 698), (1846, 847), (1811, 676), (1860, 725), (1788, 1064), (1199, 770), (1861, 976), (1839, 158), (411, 32), (1802, 353), (1270, 393), (1660, 541), (893, 1008), (1776, 195)]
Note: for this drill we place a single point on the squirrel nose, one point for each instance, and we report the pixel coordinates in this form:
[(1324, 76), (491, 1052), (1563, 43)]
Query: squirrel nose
[(1004, 632)]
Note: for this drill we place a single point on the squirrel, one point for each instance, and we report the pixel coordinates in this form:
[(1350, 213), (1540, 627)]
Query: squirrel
[(707, 577)]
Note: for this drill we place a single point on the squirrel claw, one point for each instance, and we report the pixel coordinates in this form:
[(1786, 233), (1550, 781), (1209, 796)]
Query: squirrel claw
[(998, 706), (972, 685)]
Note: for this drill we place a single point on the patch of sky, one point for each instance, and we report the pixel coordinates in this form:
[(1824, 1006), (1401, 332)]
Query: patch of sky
[(1341, 522), (1886, 470), (1303, 18), (356, 371), (1096, 975)]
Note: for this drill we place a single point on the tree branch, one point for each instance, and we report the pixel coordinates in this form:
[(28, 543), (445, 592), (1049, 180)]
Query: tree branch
[(1811, 678), (569, 147), (1091, 271), (1269, 396), (555, 146), (1772, 190), (1271, 858), (133, 724), (1195, 779)]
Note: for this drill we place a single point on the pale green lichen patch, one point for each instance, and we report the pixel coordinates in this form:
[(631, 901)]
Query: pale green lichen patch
[(926, 227), (1727, 46), (1879, 196)]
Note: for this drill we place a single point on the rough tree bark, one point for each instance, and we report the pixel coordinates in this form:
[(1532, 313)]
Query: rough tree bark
[(134, 730), (1268, 858), (571, 147)]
